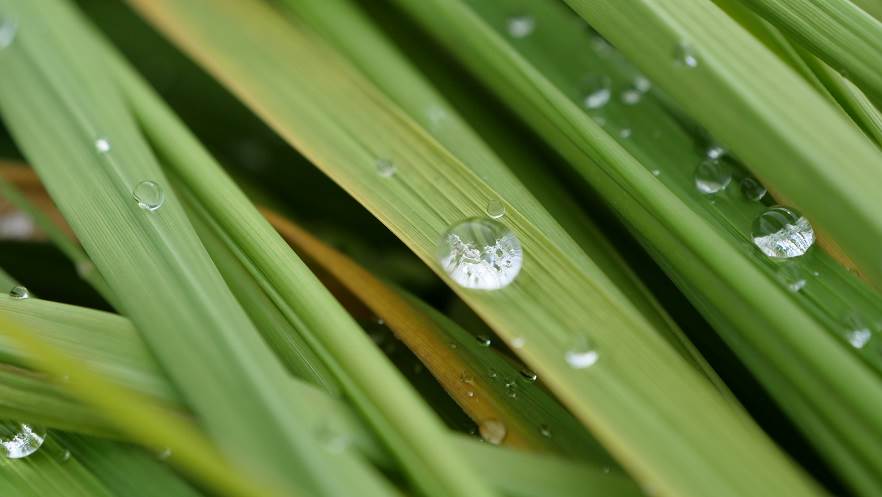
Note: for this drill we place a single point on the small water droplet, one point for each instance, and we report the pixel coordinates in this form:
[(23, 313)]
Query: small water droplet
[(793, 277), (521, 26), (452, 345), (606, 469), (436, 114), (470, 394), (782, 233), (712, 176), (84, 268), (642, 83), (386, 168), (467, 379), (752, 189), (480, 254), (625, 133), (684, 55), (8, 30), (582, 353), (19, 292), (518, 342), (149, 195), (599, 119), (331, 437), (492, 374), (164, 454), (715, 152), (102, 145), (492, 431), (545, 431), (495, 208), (529, 375), (596, 91), (18, 440), (857, 331), (65, 456), (511, 388), (656, 172), (631, 96), (601, 47), (484, 340)]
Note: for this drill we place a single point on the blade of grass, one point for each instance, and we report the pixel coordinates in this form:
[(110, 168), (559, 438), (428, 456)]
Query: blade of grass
[(645, 425)]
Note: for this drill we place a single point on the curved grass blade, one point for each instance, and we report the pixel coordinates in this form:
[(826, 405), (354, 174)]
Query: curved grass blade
[(645, 426)]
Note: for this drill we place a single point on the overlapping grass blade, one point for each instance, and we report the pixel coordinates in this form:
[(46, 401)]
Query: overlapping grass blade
[(691, 237), (647, 427), (59, 113), (837, 31)]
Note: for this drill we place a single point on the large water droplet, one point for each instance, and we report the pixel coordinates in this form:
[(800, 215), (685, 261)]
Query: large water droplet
[(8, 30), (582, 353), (495, 208), (752, 189), (19, 292), (102, 145), (521, 26), (596, 91), (149, 195), (712, 176), (19, 440), (492, 431), (782, 233), (684, 55), (481, 254), (386, 168)]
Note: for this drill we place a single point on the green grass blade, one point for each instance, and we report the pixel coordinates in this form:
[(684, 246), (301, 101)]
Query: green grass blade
[(646, 427), (838, 31)]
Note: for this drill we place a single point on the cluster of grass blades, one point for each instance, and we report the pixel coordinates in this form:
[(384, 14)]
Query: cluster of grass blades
[(556, 167)]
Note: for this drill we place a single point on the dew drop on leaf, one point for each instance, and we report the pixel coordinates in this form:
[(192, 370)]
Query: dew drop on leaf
[(19, 292), (480, 254), (149, 195), (18, 440), (782, 233), (712, 176), (492, 431)]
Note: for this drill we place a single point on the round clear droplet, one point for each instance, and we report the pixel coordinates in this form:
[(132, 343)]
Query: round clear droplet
[(715, 152), (492, 431), (495, 208), (752, 189), (102, 145), (149, 195), (782, 233), (684, 55), (480, 254), (19, 292), (857, 330), (545, 431), (642, 83), (582, 353), (19, 440), (386, 168), (484, 340), (712, 176), (529, 375), (521, 26), (596, 91), (8, 30)]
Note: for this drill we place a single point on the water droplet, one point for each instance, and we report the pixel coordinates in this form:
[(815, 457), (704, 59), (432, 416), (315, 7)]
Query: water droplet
[(642, 83), (521, 26), (712, 176), (102, 145), (529, 375), (606, 469), (857, 331), (656, 172), (518, 342), (492, 374), (631, 96), (164, 454), (495, 209), (332, 438), (601, 47), (19, 292), (625, 133), (19, 440), (452, 345), (793, 277), (599, 119), (782, 233), (149, 195), (480, 254), (684, 55), (8, 30), (436, 114), (484, 340), (715, 152), (65, 456), (467, 379), (582, 353), (752, 189), (545, 431), (511, 388), (470, 394), (85, 268), (596, 91), (386, 168), (492, 431), (16, 225)]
